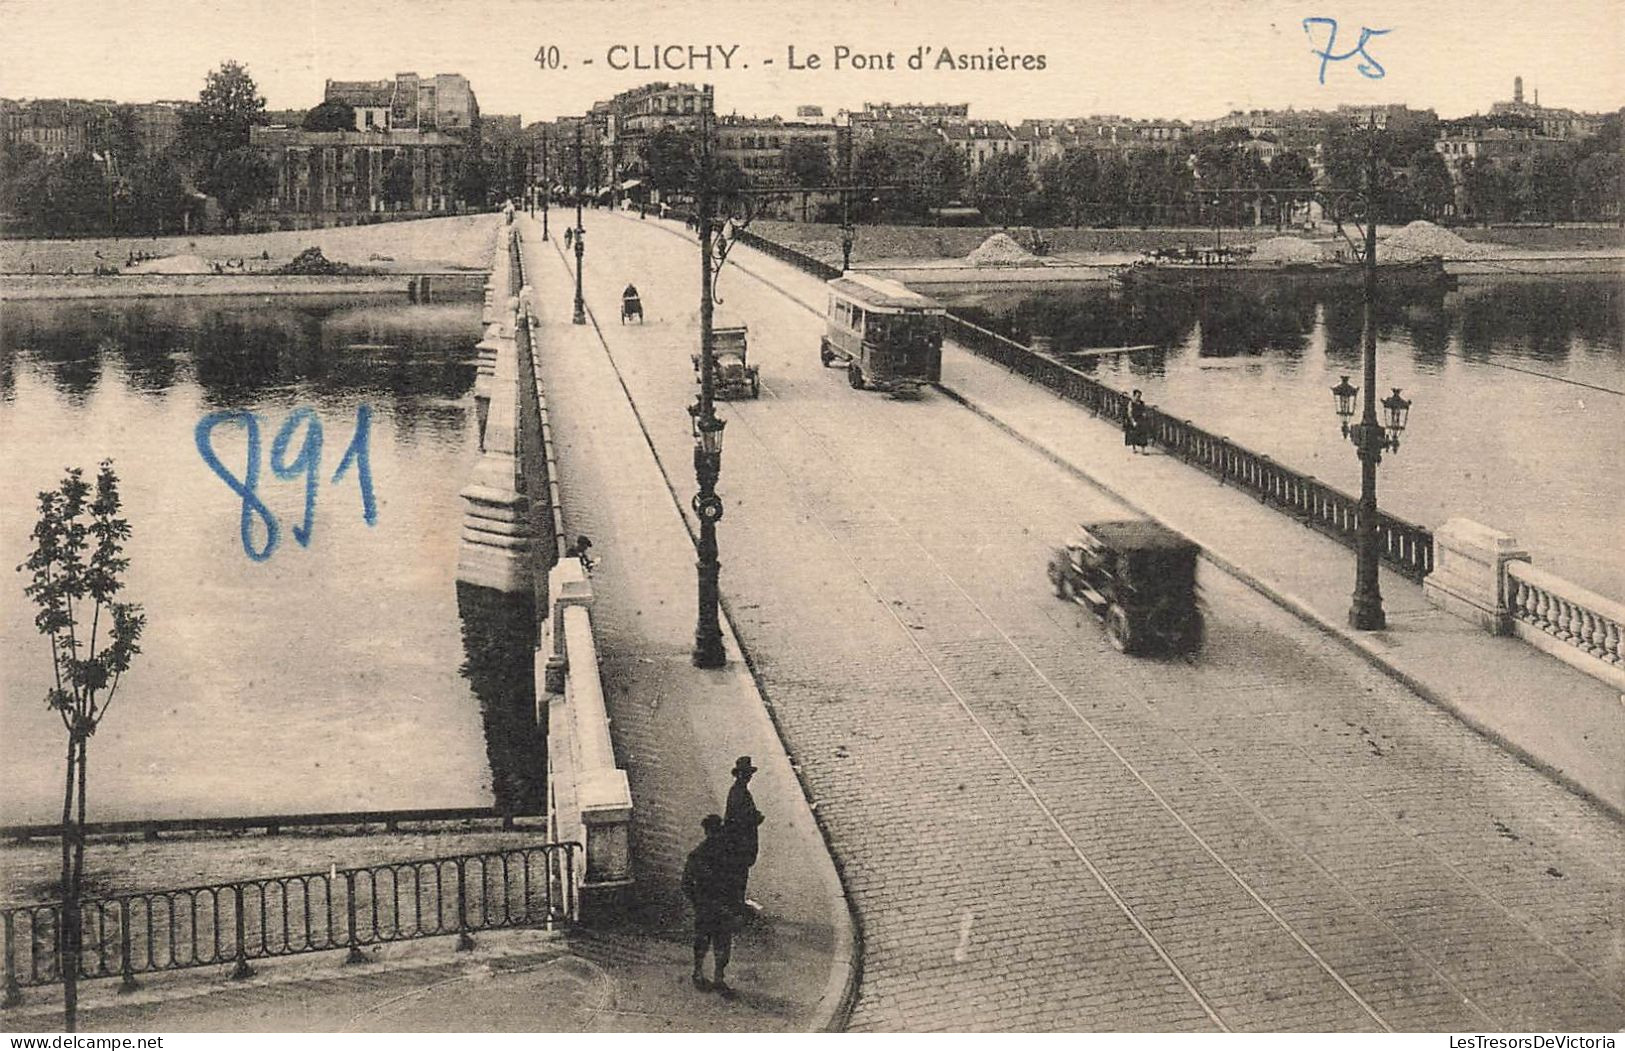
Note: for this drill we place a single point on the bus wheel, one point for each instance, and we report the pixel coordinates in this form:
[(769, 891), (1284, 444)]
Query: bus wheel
[(854, 375)]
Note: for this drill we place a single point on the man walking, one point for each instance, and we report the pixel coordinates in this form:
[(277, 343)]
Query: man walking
[(708, 886), (740, 823)]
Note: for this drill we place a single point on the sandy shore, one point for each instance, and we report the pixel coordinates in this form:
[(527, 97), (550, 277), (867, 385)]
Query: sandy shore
[(84, 286), (461, 241)]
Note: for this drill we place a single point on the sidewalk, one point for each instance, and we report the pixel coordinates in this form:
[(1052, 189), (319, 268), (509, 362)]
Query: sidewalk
[(678, 729), (1562, 721)]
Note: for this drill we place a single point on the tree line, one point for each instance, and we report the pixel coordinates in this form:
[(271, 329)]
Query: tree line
[(154, 191), (1209, 178)]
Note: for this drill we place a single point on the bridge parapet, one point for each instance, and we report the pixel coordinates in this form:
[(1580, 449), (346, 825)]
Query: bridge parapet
[(590, 798)]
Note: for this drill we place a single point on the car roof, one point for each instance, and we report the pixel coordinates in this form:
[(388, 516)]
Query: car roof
[(1137, 534), (880, 292)]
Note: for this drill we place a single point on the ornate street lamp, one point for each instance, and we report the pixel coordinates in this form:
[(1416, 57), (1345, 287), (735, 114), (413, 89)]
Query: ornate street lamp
[(708, 651), (1370, 437), (547, 182), (580, 315)]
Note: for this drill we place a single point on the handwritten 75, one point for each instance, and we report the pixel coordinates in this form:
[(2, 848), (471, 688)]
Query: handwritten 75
[(1370, 68)]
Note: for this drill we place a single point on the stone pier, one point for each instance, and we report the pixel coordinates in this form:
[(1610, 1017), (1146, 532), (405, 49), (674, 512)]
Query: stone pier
[(496, 544)]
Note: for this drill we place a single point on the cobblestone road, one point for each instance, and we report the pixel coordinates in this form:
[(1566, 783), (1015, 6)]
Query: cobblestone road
[(1040, 833)]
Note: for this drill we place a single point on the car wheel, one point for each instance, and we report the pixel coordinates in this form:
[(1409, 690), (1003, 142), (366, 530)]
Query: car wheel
[(854, 376), (1190, 640), (825, 355), (1118, 630)]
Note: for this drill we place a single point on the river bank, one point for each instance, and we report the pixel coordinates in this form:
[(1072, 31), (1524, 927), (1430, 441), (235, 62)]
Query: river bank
[(414, 246)]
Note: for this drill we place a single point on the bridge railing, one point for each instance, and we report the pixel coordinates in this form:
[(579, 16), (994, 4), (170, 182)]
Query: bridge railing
[(1568, 622), (127, 935), (1404, 546)]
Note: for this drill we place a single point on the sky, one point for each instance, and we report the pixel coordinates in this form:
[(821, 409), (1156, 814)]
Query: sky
[(1151, 58)]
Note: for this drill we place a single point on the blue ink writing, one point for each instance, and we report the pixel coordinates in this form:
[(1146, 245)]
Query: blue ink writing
[(1369, 68), (252, 504), (359, 455), (306, 462), (310, 455)]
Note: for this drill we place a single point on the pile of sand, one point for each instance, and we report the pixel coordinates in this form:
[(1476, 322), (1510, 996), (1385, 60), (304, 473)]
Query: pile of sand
[(1422, 238), (1287, 250), (999, 250), (173, 264)]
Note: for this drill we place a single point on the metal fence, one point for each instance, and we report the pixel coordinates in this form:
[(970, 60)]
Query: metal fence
[(1404, 546), (255, 919)]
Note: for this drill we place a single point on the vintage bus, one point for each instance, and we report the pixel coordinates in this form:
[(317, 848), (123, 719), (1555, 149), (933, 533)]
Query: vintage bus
[(888, 337)]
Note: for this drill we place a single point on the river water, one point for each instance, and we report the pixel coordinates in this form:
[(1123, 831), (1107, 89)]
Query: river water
[(1517, 384), (349, 672)]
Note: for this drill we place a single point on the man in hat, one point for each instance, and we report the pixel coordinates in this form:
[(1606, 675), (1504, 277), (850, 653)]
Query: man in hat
[(708, 885), (740, 823)]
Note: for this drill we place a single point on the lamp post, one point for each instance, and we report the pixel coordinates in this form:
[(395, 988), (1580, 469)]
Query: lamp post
[(1370, 437), (580, 315), (547, 183), (708, 652)]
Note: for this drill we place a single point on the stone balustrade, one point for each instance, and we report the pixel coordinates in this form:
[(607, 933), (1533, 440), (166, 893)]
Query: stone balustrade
[(1482, 575), (590, 800), (1574, 625)]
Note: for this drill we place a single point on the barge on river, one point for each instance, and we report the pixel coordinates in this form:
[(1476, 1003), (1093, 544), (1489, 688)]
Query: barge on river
[(1234, 267)]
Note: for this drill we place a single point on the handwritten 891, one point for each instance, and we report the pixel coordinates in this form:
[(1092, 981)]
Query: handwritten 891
[(306, 462)]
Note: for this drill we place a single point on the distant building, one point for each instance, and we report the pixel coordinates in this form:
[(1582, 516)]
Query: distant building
[(444, 102), (757, 144), (157, 125), (624, 126), (61, 127), (321, 177), (1565, 124)]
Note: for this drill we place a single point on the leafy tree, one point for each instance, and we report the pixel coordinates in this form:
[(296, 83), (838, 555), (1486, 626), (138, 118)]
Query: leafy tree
[(806, 163), (671, 158), (1429, 186), (473, 185), (1552, 185), (939, 174), (1003, 186), (227, 107), (79, 194), (157, 196), (398, 178), (24, 180), (1599, 183), (331, 115), (1487, 190), (76, 573), (1291, 171), (238, 179)]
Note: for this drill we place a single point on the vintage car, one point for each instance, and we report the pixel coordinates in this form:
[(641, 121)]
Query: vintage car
[(731, 376), (1137, 576), (888, 337)]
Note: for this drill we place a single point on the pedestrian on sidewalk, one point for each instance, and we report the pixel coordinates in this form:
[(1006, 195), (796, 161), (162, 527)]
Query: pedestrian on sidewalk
[(741, 819), (582, 550), (1136, 429), (569, 235), (708, 886)]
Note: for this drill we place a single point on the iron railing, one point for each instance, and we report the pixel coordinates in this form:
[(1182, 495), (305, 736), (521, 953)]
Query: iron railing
[(1404, 546), (255, 919)]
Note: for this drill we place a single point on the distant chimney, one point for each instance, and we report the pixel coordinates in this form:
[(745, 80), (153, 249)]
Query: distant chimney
[(1517, 89)]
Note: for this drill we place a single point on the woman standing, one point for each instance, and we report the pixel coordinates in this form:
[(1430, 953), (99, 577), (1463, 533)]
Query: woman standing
[(1136, 429)]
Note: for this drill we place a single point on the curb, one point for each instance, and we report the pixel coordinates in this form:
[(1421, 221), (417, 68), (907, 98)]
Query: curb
[(840, 993), (1301, 609)]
